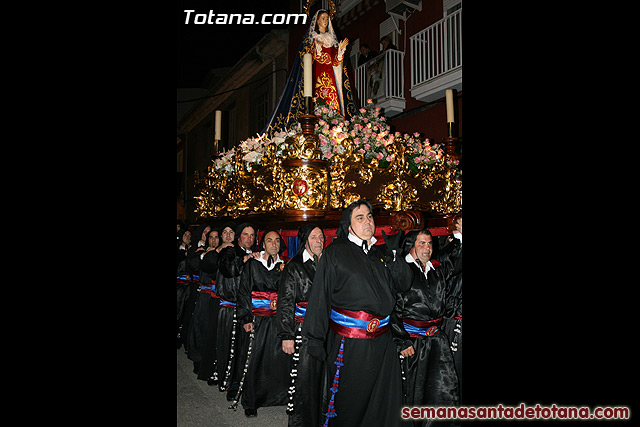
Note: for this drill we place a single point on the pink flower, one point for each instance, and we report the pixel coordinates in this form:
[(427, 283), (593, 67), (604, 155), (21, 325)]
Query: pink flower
[(367, 146), (379, 156), (362, 110), (328, 154), (369, 101), (389, 158)]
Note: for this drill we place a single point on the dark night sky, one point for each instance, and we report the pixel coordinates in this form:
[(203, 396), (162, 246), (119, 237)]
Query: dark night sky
[(201, 47)]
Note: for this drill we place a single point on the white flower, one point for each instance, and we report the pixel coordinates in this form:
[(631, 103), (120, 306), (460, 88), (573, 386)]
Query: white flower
[(252, 156)]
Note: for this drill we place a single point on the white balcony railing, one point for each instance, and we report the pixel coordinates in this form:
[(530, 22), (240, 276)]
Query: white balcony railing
[(436, 51), (382, 79)]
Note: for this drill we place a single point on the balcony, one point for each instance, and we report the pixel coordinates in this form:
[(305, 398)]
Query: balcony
[(436, 58), (382, 79)]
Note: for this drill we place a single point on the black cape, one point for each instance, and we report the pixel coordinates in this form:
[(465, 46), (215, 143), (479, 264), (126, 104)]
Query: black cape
[(267, 377), (452, 252), (211, 305), (370, 384), (306, 372), (430, 376), (230, 268), (183, 292), (192, 263)]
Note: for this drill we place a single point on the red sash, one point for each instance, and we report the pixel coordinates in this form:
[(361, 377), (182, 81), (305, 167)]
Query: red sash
[(264, 303), (426, 327), (368, 324)]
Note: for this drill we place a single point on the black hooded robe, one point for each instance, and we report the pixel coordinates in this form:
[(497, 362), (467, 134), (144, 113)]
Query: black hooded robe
[(370, 384), (183, 291), (267, 378), (230, 268), (452, 325), (199, 327), (193, 269), (430, 376), (208, 354), (295, 288)]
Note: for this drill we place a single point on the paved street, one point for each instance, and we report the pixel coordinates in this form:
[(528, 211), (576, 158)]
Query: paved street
[(201, 405)]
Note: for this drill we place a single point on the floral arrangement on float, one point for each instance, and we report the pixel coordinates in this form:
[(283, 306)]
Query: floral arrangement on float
[(368, 132), (254, 176)]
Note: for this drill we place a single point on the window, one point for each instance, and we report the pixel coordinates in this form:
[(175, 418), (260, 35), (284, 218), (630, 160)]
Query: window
[(354, 53), (450, 6), (389, 27)]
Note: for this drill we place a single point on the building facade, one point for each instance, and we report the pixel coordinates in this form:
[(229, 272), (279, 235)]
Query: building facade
[(246, 96), (408, 80)]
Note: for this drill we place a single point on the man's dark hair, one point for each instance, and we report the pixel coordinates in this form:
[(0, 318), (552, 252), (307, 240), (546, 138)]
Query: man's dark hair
[(345, 220), (283, 245), (411, 237)]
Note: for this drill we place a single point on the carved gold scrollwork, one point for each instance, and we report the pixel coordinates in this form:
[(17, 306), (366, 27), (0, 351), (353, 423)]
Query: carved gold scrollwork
[(304, 184), (290, 173)]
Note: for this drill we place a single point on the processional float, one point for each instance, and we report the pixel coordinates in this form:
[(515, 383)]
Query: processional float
[(310, 165)]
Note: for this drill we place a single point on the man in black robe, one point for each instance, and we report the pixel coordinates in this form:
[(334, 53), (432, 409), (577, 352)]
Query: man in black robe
[(198, 245), (209, 302), (293, 295), (267, 367), (352, 296), (198, 327), (183, 280), (231, 263), (452, 325), (428, 370)]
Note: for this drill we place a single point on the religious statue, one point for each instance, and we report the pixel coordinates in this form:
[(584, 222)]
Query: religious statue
[(327, 61), (331, 81)]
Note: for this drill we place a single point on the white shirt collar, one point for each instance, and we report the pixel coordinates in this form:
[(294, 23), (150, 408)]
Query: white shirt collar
[(428, 266), (306, 256), (358, 241), (458, 236), (264, 261)]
